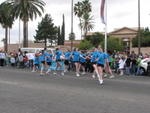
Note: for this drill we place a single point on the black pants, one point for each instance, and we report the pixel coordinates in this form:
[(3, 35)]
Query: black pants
[(2, 61)]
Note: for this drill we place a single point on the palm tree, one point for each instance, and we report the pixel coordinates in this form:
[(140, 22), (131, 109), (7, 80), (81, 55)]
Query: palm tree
[(27, 10), (6, 20), (87, 23), (83, 10), (86, 6), (79, 12)]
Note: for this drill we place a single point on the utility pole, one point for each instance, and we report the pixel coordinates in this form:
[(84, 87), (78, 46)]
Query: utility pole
[(139, 29), (71, 35)]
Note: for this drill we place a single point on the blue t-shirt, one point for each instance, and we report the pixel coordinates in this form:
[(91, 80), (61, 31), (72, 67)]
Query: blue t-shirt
[(42, 58), (107, 57), (67, 55), (45, 53), (101, 58), (36, 60), (76, 56), (49, 58), (82, 58), (94, 56), (58, 54)]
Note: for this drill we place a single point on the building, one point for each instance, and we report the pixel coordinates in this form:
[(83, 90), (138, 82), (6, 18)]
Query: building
[(126, 35)]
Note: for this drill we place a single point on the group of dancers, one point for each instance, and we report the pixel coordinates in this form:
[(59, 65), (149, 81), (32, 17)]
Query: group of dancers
[(47, 60)]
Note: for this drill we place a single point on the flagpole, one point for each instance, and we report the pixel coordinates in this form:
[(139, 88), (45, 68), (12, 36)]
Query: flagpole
[(19, 35), (105, 13)]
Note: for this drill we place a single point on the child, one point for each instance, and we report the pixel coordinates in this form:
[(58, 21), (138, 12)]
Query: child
[(121, 65), (12, 60)]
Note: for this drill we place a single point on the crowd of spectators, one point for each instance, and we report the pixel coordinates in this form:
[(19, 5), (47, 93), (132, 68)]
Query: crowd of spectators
[(120, 62)]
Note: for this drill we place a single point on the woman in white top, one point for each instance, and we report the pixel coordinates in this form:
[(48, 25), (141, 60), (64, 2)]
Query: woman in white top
[(121, 65)]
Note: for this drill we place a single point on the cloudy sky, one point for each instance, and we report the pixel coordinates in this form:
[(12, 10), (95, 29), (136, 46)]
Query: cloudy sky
[(120, 13)]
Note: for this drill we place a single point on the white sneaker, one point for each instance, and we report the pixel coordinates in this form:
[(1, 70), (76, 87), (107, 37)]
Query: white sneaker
[(93, 76), (112, 76), (48, 71), (121, 73), (65, 70), (101, 82), (77, 74), (62, 74), (41, 74), (54, 73), (33, 71), (83, 73), (105, 75)]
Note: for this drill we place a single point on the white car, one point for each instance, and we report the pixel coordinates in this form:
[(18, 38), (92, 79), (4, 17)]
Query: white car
[(144, 64)]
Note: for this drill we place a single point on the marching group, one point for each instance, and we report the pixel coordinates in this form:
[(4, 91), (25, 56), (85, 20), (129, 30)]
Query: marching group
[(94, 61)]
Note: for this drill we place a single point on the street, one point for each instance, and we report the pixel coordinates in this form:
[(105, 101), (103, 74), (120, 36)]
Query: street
[(24, 92)]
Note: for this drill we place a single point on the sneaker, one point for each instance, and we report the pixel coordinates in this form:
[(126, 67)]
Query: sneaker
[(112, 76), (62, 74), (77, 74), (54, 73), (65, 70), (41, 74), (93, 76), (48, 71), (121, 73), (83, 73), (33, 71), (105, 75), (101, 82)]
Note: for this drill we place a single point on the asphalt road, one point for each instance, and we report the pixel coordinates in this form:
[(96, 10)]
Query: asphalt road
[(24, 92)]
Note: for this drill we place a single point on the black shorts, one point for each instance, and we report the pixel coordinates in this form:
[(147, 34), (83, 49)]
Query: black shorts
[(66, 62), (43, 62), (83, 64), (100, 65), (58, 60), (76, 61), (93, 63), (49, 63), (36, 65)]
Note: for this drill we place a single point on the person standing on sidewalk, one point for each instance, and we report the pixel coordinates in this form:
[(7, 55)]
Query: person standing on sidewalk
[(2, 58)]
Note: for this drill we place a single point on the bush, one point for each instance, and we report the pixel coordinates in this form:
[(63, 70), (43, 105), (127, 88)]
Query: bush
[(113, 44), (95, 39), (85, 45)]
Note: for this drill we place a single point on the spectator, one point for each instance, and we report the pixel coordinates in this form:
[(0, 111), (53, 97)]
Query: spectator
[(127, 65)]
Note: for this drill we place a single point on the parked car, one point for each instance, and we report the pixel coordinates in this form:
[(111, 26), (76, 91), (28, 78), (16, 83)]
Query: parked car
[(144, 65)]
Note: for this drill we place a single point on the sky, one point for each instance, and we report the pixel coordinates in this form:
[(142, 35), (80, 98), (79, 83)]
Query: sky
[(120, 13)]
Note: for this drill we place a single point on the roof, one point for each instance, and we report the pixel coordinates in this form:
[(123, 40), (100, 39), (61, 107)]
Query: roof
[(129, 30)]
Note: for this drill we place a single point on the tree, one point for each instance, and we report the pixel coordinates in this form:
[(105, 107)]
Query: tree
[(63, 31), (79, 12), (145, 36), (6, 20), (59, 36), (95, 39), (46, 31), (114, 44), (83, 11), (85, 45), (27, 10), (87, 23)]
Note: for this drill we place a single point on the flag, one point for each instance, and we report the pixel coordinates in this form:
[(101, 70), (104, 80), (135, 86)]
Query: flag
[(102, 12)]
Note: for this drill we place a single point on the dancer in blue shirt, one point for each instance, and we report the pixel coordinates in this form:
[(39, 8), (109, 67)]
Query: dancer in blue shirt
[(59, 60), (67, 60), (100, 65), (35, 62), (82, 61), (75, 59), (49, 61)]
